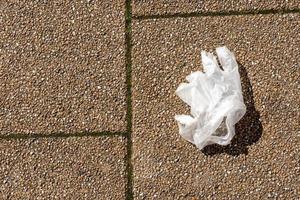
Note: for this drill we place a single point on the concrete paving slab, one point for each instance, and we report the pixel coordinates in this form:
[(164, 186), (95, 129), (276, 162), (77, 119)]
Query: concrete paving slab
[(160, 7), (263, 159), (62, 66), (63, 168)]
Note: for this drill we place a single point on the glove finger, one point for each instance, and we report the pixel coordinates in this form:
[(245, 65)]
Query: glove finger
[(226, 58), (210, 64)]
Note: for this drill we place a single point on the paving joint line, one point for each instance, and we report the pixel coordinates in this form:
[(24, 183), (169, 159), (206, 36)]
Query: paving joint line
[(215, 14), (62, 135), (128, 64)]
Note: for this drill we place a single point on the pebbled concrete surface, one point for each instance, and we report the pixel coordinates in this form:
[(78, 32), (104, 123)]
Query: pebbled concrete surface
[(62, 70), (160, 7), (62, 66), (63, 168), (263, 160)]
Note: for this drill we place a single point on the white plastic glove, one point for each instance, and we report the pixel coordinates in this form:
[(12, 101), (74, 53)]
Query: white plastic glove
[(215, 98)]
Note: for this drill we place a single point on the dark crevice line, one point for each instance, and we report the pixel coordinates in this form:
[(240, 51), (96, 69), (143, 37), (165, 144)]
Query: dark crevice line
[(214, 14), (128, 63), (62, 135)]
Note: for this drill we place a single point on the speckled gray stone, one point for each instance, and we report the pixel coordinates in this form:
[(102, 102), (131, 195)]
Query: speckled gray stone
[(160, 7), (263, 160), (62, 66), (63, 168)]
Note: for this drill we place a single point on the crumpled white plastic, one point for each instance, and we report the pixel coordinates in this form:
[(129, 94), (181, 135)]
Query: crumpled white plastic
[(215, 98)]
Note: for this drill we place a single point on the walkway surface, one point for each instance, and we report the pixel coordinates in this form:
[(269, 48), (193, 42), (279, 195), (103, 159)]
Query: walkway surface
[(87, 99)]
